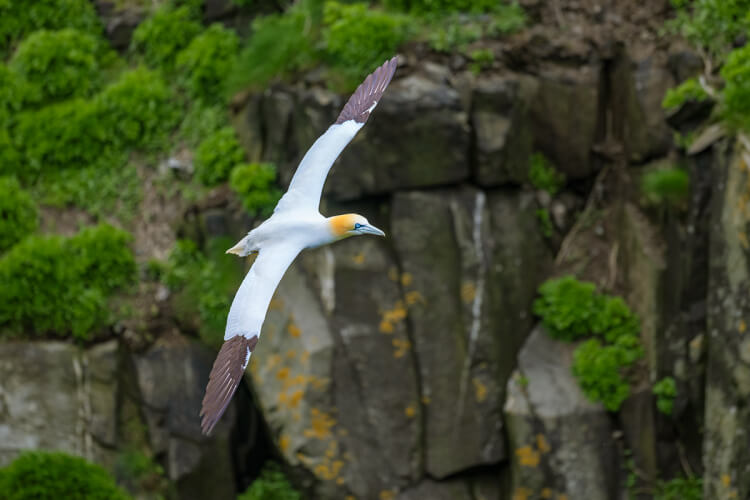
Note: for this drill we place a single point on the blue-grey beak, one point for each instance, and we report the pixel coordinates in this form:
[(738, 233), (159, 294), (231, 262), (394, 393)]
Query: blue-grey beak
[(368, 229)]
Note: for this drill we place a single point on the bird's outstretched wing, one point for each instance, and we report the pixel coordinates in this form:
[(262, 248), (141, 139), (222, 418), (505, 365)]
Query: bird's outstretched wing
[(243, 328), (307, 184)]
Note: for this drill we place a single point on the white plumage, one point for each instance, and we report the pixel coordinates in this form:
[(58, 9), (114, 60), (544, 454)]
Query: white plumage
[(295, 225)]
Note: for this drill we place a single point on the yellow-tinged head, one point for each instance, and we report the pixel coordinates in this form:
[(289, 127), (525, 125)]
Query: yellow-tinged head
[(343, 226)]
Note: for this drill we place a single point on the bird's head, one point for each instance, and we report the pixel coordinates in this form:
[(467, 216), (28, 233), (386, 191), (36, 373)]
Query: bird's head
[(347, 225)]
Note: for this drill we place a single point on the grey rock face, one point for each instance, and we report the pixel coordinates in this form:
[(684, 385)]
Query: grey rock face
[(560, 443)]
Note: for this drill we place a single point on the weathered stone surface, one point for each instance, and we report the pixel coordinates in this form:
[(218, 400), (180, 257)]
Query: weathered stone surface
[(55, 395), (726, 455), (503, 136), (171, 377), (459, 251), (438, 490), (334, 374), (119, 23), (564, 117), (560, 443)]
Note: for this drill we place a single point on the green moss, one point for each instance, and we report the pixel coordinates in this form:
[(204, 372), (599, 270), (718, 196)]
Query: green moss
[(217, 155), (735, 105), (598, 370), (665, 391), (138, 471), (567, 307), (43, 475), (272, 484), (545, 223), (680, 489), (18, 18), (544, 176), (481, 59), (358, 39), (58, 65), (58, 285), (163, 35), (18, 214), (254, 183), (689, 90), (11, 95), (666, 185), (205, 63)]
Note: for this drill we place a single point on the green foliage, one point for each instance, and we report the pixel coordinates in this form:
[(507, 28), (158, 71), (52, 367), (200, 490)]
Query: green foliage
[(711, 25), (614, 320), (53, 284), (254, 183), (205, 62), (665, 391), (44, 475), (280, 45), (216, 155), (670, 185), (11, 95), (545, 223), (139, 471), (567, 307), (544, 176), (18, 214), (19, 18), (597, 368), (202, 121), (272, 484), (163, 35), (58, 64), (680, 489), (689, 90), (481, 59), (441, 6), (136, 111), (735, 105), (358, 39)]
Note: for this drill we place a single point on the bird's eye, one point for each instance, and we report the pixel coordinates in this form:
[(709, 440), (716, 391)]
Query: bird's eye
[(357, 225)]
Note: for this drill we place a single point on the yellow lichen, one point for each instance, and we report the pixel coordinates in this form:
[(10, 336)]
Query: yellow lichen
[(521, 493), (413, 297), (425, 399), (273, 360), (320, 425), (339, 480), (401, 347), (387, 495), (305, 356), (468, 292), (291, 353), (293, 330), (386, 327), (284, 443), (742, 327), (359, 258), (541, 443), (528, 456), (726, 480), (276, 304), (283, 373), (407, 279), (480, 390), (410, 411), (546, 493), (562, 496)]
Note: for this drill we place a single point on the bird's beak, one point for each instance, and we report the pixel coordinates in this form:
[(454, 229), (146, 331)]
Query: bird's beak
[(237, 249), (368, 229)]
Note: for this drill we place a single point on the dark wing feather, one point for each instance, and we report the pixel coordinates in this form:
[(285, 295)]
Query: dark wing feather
[(225, 376), (368, 93)]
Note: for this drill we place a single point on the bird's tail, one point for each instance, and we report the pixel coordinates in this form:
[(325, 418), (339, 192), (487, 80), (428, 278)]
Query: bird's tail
[(241, 248)]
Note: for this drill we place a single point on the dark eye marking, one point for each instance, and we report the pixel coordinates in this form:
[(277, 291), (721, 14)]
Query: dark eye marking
[(357, 225)]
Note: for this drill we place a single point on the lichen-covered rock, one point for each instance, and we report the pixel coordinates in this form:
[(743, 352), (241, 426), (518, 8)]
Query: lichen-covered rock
[(560, 444)]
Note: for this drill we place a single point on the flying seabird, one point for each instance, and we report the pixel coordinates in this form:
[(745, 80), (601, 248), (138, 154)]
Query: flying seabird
[(295, 224)]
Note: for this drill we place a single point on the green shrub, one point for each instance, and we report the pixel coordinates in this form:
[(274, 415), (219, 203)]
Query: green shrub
[(680, 489), (58, 285), (665, 391), (567, 307), (598, 370), (545, 223), (481, 59), (11, 95), (202, 121), (272, 484), (254, 184), (614, 320), (205, 63), (44, 475), (689, 90), (19, 18), (507, 18), (441, 6), (57, 65), (217, 155), (670, 185), (544, 176), (735, 105), (18, 214), (138, 110), (358, 39), (162, 36), (280, 45)]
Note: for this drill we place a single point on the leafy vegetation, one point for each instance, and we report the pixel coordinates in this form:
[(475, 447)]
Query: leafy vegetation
[(43, 475), (59, 285), (669, 185), (205, 62), (255, 184), (163, 35), (57, 65), (680, 489), (572, 310), (735, 105), (217, 155), (201, 121), (272, 484), (544, 176), (665, 391), (139, 471), (689, 90), (545, 223), (18, 214)]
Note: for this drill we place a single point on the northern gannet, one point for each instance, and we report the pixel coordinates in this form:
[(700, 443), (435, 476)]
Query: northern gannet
[(295, 224)]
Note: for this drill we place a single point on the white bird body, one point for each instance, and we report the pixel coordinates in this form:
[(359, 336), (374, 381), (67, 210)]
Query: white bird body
[(295, 225)]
